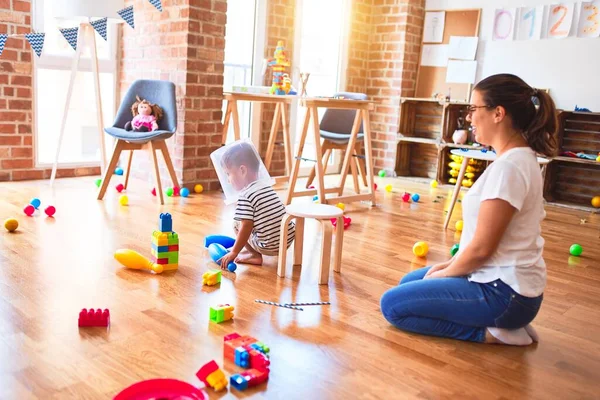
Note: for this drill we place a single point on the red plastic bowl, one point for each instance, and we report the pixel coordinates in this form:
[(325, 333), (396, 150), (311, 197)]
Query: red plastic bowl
[(155, 389)]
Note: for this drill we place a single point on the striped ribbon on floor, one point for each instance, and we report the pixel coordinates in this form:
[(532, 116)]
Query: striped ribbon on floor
[(320, 303), (279, 305)]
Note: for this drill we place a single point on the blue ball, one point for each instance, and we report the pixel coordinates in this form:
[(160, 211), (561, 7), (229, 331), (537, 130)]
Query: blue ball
[(315, 198), (484, 150), (185, 192), (232, 267), (415, 197), (119, 171), (35, 202)]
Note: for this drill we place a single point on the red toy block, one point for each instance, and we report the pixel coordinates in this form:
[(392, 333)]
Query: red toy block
[(93, 317), (173, 247), (231, 336), (206, 370), (230, 346), (257, 359)]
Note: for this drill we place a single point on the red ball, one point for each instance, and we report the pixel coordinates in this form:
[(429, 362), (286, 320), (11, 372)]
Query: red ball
[(29, 210), (154, 191), (406, 197), (375, 186), (176, 191), (50, 210), (120, 187)]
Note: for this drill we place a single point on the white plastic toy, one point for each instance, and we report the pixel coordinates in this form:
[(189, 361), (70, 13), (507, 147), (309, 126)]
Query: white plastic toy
[(238, 165)]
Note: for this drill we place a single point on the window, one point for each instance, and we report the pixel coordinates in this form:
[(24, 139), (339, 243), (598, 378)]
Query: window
[(81, 140), (320, 49)]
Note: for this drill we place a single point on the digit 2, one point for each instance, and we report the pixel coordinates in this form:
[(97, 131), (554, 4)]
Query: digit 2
[(554, 30)]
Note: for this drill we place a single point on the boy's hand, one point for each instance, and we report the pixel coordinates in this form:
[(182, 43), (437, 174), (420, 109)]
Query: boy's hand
[(227, 258)]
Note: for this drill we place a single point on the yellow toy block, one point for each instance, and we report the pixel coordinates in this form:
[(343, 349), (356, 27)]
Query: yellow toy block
[(160, 238), (217, 380), (211, 277), (170, 267)]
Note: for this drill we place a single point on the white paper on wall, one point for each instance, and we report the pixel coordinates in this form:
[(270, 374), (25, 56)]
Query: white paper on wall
[(433, 30), (434, 55), (463, 47), (529, 23), (504, 24), (560, 19), (589, 20), (461, 71)]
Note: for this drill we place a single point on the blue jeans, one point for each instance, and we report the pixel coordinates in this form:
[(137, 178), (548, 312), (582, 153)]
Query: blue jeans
[(454, 307)]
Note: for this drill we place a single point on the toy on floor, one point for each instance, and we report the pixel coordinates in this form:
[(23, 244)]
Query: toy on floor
[(281, 84), (415, 197), (185, 192), (220, 313), (225, 241), (123, 200), (91, 317), (176, 191), (341, 206), (29, 210), (169, 192), (454, 249), (134, 260), (250, 378), (98, 182), (420, 249), (247, 352), (11, 224), (198, 188), (381, 173), (161, 389), (596, 202), (292, 307), (120, 187), (347, 221), (35, 202), (118, 171), (145, 116), (212, 376), (576, 250), (153, 191), (389, 188), (211, 277), (165, 244), (406, 197), (459, 225), (216, 252), (433, 184), (50, 211)]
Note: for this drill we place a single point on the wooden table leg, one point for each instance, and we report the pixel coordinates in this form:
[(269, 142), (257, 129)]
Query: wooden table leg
[(296, 165), (369, 154), (236, 120), (283, 237), (459, 179), (226, 123), (273, 136), (325, 252), (319, 155), (349, 151)]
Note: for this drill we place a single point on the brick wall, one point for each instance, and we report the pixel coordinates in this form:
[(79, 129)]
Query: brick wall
[(358, 48), (184, 44)]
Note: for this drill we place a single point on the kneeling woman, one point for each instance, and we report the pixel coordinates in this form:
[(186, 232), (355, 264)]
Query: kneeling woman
[(492, 289)]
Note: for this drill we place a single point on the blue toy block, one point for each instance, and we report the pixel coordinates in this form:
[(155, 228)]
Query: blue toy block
[(239, 382), (160, 249), (165, 223), (216, 252), (242, 358), (224, 241)]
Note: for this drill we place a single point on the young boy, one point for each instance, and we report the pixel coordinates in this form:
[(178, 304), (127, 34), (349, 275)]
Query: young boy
[(259, 211)]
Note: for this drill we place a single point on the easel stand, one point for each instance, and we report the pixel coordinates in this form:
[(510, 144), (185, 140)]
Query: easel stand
[(362, 108), (281, 117), (86, 33)]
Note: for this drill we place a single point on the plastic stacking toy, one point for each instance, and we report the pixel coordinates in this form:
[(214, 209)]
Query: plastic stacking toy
[(406, 197), (91, 317), (420, 249), (341, 206), (134, 260), (576, 250), (212, 376), (220, 313), (120, 187), (211, 277), (98, 182), (216, 252), (389, 188), (170, 192), (11, 224), (165, 244)]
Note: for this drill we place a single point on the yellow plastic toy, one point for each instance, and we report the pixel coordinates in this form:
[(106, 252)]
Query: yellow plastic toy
[(420, 249), (198, 188), (459, 225), (11, 224), (388, 188), (133, 259), (433, 184), (123, 200), (596, 202), (211, 277), (217, 380), (341, 206)]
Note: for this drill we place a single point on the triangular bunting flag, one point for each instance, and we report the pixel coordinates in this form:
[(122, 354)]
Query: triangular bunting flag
[(36, 40), (127, 15), (157, 4), (100, 26), (71, 35), (2, 42)]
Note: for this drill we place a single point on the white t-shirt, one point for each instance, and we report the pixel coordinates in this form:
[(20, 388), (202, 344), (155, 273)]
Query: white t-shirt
[(515, 177)]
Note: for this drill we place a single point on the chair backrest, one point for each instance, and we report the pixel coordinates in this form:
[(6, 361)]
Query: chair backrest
[(161, 93), (341, 121)]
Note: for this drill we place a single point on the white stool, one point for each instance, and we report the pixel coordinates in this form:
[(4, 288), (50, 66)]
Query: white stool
[(322, 213)]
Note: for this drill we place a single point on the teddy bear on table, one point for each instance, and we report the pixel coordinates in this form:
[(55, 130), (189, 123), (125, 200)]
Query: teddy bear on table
[(145, 116)]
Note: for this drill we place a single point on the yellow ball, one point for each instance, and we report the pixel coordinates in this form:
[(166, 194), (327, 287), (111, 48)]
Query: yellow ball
[(459, 225), (420, 249), (433, 184), (341, 206), (198, 188), (388, 188), (11, 224), (123, 200), (598, 158), (596, 202)]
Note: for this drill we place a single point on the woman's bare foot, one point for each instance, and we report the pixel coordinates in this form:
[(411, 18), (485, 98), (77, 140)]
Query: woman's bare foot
[(246, 257), (515, 337)]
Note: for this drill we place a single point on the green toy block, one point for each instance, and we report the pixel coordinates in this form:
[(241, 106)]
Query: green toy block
[(217, 315), (173, 238)]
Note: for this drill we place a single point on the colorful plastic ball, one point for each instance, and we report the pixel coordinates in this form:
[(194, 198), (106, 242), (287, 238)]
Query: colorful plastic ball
[(389, 188), (459, 225), (98, 182), (154, 191), (185, 192), (123, 200), (415, 197), (11, 224), (118, 171), (29, 210), (176, 191), (50, 211), (374, 186), (596, 202), (35, 202), (576, 250), (341, 206), (381, 173), (315, 198), (198, 188), (120, 187), (169, 192), (406, 197), (434, 184), (598, 158), (420, 249), (454, 250), (311, 187)]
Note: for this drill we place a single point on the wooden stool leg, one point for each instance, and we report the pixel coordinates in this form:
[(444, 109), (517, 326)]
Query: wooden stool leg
[(108, 173), (128, 169), (459, 179), (339, 242), (362, 168), (325, 252), (299, 241), (283, 237), (159, 193), (296, 165), (167, 157)]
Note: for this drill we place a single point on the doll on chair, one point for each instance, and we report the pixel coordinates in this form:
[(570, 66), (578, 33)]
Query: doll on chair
[(145, 116)]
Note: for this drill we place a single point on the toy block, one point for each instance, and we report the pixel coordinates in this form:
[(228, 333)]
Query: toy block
[(161, 261), (93, 317), (165, 222), (170, 267), (173, 247), (173, 238), (246, 379), (172, 257), (160, 249), (211, 277), (242, 357), (160, 238), (230, 346), (257, 359), (212, 376), (231, 336), (223, 312), (260, 346)]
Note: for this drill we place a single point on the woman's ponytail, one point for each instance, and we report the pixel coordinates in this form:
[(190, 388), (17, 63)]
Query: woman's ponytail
[(541, 131)]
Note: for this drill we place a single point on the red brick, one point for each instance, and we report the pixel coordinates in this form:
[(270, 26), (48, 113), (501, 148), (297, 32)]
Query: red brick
[(21, 175), (22, 152), (16, 164), (24, 128), (8, 128), (24, 93), (20, 104), (21, 6), (13, 140), (7, 116), (20, 80)]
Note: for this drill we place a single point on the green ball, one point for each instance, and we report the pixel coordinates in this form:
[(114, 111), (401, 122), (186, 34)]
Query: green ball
[(169, 192), (382, 173), (454, 250), (98, 182), (576, 250)]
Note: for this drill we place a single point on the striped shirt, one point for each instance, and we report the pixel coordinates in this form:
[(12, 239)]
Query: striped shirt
[(260, 204)]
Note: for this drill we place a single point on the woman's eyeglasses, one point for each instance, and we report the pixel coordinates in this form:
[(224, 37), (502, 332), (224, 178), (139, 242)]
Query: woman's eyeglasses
[(472, 109)]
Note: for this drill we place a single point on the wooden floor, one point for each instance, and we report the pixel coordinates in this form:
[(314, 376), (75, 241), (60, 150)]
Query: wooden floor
[(52, 268)]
